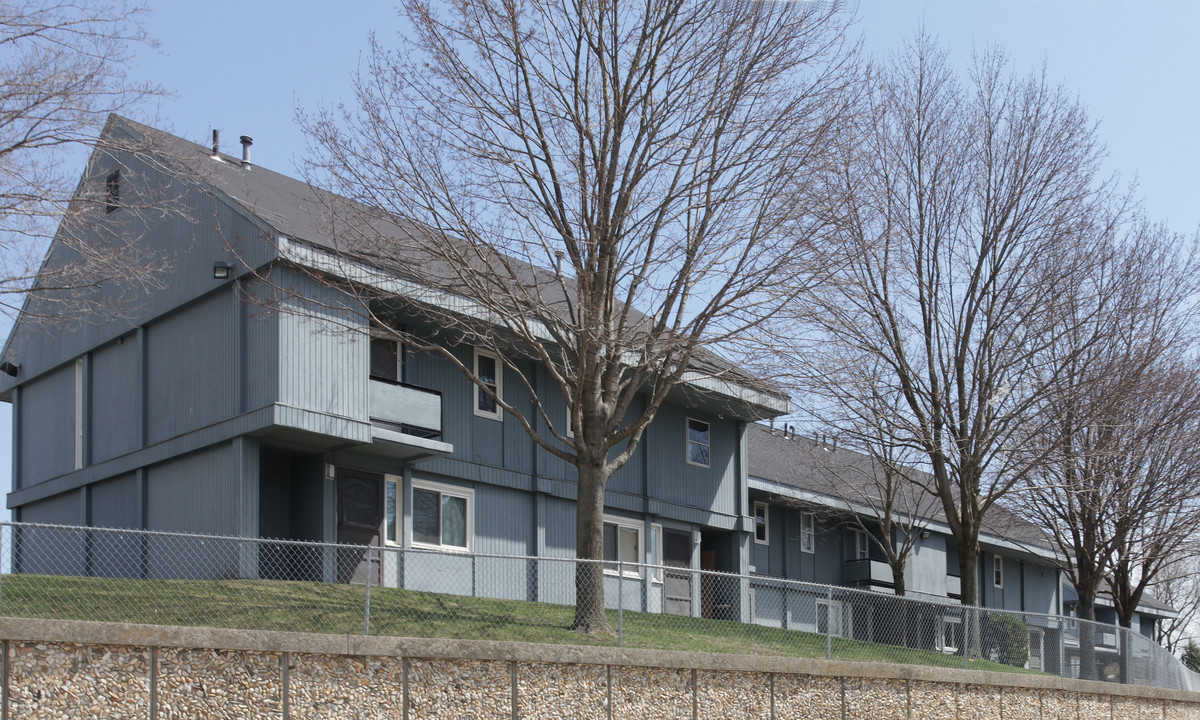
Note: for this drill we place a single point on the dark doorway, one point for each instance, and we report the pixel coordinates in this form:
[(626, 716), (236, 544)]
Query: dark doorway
[(291, 507), (677, 585), (718, 593), (360, 512)]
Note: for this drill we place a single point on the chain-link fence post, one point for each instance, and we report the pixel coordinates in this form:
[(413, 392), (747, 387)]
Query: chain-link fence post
[(367, 604), (620, 603), (829, 623)]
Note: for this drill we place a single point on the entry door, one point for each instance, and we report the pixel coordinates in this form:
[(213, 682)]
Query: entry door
[(360, 513), (677, 586)]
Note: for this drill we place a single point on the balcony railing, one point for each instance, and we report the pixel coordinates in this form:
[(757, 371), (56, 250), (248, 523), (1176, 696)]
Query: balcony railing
[(865, 571), (410, 409)]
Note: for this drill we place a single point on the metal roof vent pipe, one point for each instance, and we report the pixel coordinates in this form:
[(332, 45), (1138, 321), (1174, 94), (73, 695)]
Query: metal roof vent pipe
[(247, 141), (216, 154)]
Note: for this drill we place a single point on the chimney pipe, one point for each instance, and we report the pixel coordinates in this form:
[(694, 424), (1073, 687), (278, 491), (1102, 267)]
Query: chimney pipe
[(247, 141), (216, 144), (558, 258)]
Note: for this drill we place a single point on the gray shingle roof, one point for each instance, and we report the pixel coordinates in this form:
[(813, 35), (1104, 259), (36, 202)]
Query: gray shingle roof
[(300, 211), (835, 472)]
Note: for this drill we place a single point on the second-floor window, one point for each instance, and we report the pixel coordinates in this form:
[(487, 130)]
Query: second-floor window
[(862, 545), (386, 358), (697, 442), (808, 533), (761, 520), (490, 374), (998, 571)]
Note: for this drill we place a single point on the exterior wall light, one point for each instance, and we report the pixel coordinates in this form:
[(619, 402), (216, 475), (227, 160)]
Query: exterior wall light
[(222, 270)]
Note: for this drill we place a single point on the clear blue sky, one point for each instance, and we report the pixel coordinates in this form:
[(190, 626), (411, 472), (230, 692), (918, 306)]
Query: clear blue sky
[(244, 67)]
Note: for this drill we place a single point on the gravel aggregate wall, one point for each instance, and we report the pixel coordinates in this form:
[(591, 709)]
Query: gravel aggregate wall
[(72, 681)]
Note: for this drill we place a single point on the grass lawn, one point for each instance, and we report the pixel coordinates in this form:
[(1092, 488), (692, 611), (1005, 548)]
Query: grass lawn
[(329, 608)]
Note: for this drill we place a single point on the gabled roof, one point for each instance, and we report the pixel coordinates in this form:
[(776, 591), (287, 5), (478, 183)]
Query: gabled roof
[(836, 475), (293, 210)]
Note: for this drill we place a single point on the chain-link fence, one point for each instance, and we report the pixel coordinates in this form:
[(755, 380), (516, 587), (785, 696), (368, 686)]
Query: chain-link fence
[(53, 571)]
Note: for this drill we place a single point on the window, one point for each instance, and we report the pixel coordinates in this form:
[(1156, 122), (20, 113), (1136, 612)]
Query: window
[(761, 527), (442, 516), (112, 191), (808, 533), (952, 634), (656, 552), (490, 372), (386, 360), (862, 545), (391, 509), (998, 571), (830, 618), (697, 442), (622, 543)]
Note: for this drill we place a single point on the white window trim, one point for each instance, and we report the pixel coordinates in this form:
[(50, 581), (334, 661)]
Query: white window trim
[(499, 413), (808, 529), (687, 442), (656, 574), (454, 491), (945, 621), (997, 571), (862, 545), (845, 625), (640, 527), (766, 523), (398, 482)]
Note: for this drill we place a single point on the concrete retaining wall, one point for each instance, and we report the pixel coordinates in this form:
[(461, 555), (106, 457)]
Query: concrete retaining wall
[(59, 669)]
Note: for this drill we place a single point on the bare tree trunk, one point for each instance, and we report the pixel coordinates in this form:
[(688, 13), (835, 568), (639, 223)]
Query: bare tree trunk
[(1087, 635), (968, 568), (589, 544)]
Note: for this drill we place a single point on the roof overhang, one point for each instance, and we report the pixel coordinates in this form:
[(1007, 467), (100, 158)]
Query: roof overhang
[(836, 503), (755, 404)]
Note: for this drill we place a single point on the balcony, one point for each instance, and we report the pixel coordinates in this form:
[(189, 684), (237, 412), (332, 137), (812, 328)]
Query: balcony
[(864, 572), (406, 420)]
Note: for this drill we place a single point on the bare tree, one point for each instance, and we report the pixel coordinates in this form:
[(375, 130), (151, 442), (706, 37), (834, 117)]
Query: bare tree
[(63, 72), (612, 187), (1125, 414), (1178, 586), (964, 211), (888, 496)]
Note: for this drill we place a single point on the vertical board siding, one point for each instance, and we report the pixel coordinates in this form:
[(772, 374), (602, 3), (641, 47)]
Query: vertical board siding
[(192, 367), (323, 357), (114, 504), (48, 422), (52, 552), (673, 479), (260, 347), (198, 230), (116, 399), (194, 493)]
